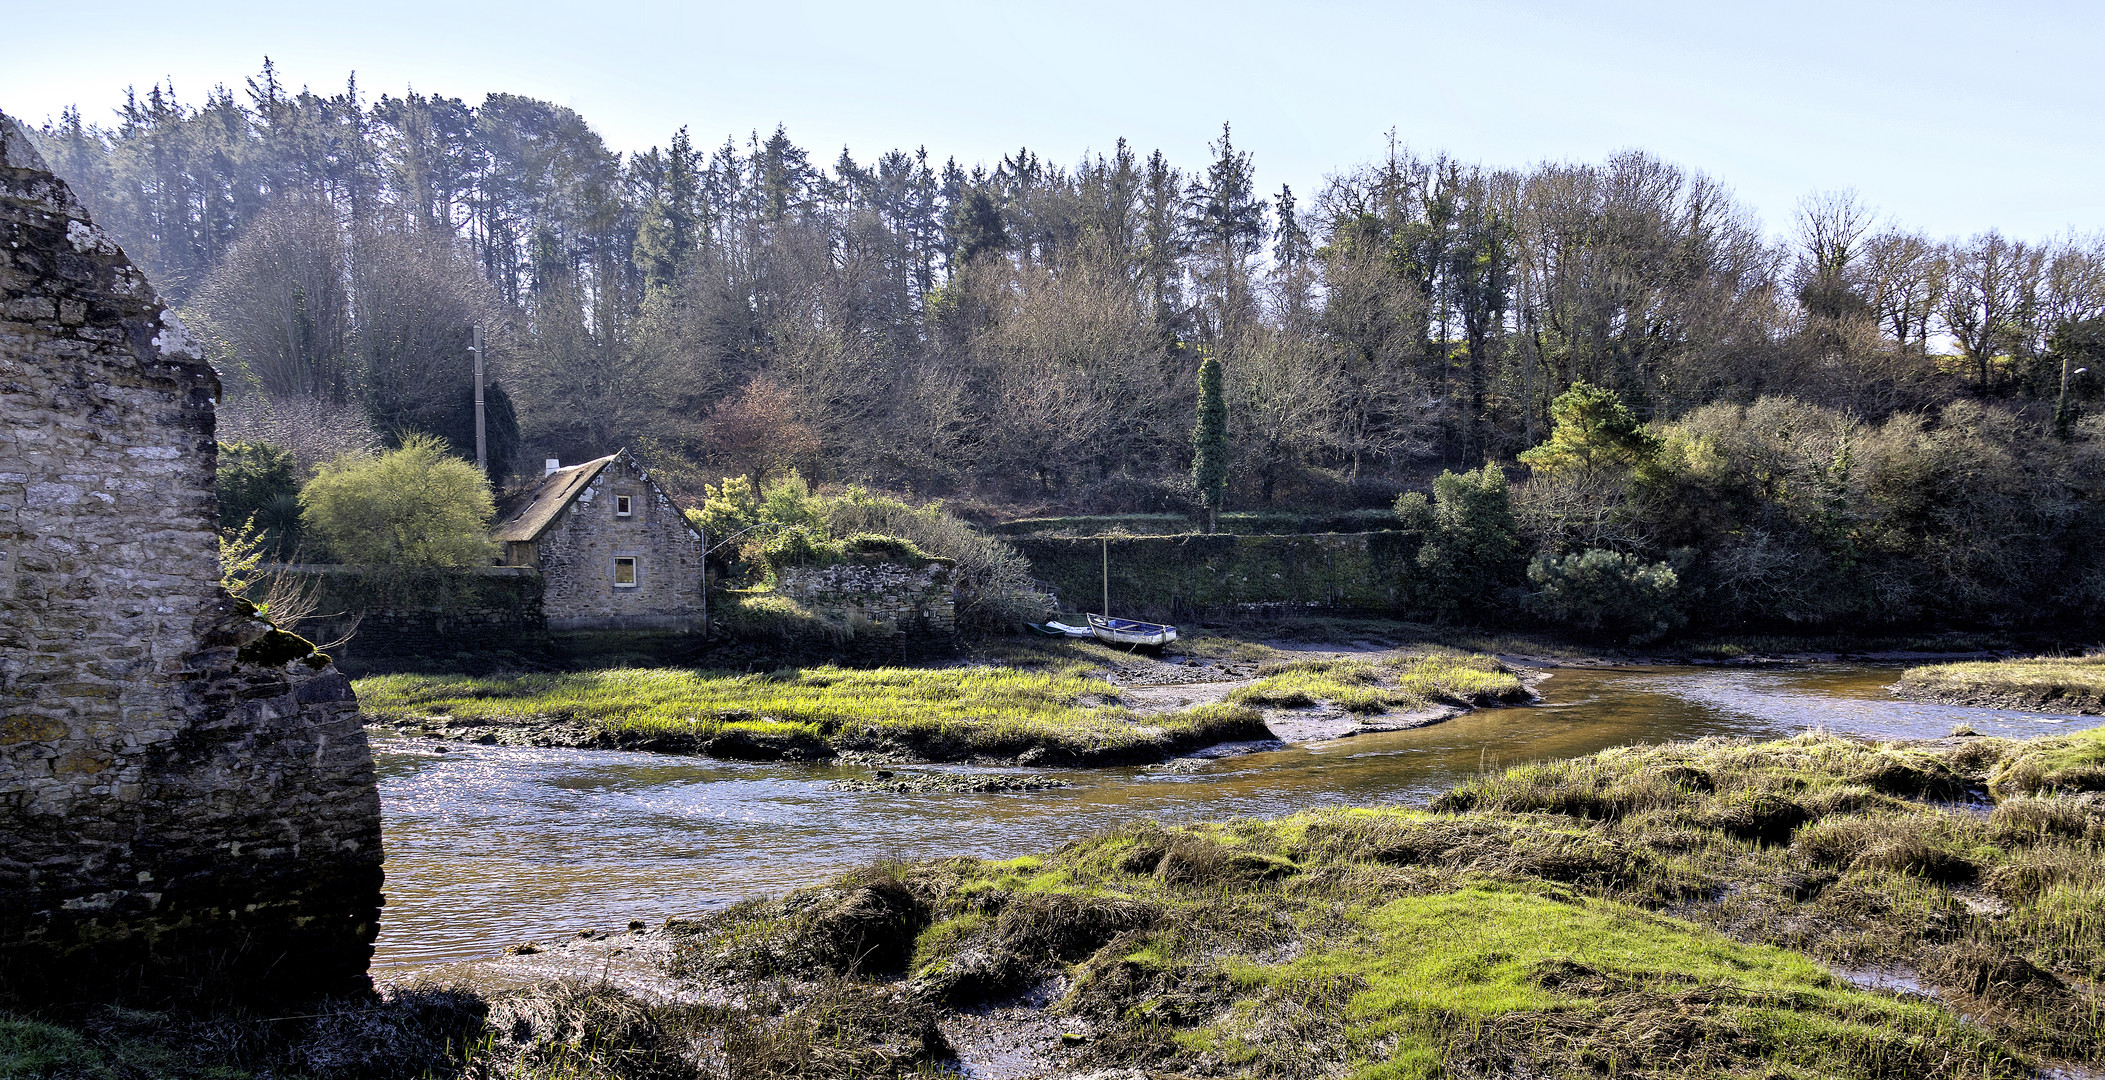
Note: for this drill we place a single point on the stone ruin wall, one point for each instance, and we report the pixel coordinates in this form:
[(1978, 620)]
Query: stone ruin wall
[(187, 806), (894, 611), (577, 559)]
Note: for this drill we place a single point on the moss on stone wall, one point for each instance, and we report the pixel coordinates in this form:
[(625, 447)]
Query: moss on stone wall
[(1181, 574), (355, 589), (399, 617), (1239, 522)]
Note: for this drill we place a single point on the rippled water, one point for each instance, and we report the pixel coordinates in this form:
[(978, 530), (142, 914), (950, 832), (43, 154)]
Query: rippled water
[(489, 845)]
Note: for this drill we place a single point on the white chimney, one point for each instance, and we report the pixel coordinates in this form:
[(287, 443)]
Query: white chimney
[(549, 468)]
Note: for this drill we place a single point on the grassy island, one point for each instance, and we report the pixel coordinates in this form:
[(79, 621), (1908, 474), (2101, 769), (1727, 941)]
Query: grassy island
[(2065, 684), (924, 714), (1050, 708), (1409, 681)]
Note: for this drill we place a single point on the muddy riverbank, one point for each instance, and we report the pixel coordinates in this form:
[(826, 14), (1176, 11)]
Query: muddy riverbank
[(2050, 684)]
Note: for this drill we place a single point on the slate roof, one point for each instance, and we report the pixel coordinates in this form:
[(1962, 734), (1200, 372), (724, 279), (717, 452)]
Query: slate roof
[(527, 515)]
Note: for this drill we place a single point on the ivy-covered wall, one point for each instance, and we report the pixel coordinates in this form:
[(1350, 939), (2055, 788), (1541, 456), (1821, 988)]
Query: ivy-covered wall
[(401, 617), (1178, 575), (1240, 522)]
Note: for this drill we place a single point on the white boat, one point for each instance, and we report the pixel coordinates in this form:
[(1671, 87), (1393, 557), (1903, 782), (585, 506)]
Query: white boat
[(1131, 631), (1070, 631)]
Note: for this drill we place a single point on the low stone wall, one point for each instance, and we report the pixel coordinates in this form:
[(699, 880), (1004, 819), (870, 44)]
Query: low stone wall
[(404, 619), (890, 611), (1175, 576)]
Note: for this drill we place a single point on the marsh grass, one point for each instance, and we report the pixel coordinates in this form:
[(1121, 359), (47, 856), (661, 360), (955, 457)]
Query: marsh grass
[(406, 1033), (1649, 912), (1373, 687), (2071, 764), (931, 713), (2074, 684)]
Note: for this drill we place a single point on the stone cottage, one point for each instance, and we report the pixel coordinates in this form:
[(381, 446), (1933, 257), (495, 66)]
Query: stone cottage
[(613, 550), (187, 806)]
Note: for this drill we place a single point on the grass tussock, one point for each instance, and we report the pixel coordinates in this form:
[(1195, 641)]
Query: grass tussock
[(2072, 764), (2064, 684), (1065, 713), (1368, 687), (567, 1029), (1649, 912), (406, 1033)]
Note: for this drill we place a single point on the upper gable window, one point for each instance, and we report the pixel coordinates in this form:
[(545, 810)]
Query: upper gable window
[(624, 506)]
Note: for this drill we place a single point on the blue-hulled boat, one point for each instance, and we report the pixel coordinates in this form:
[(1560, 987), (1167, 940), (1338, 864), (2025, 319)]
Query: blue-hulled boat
[(1131, 631)]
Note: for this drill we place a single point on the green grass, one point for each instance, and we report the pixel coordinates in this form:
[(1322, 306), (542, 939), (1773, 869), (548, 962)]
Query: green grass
[(1374, 687), (29, 1049), (1429, 972), (2046, 683), (935, 713)]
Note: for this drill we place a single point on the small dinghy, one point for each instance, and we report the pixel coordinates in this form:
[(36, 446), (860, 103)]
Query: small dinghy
[(1131, 631), (1059, 629)]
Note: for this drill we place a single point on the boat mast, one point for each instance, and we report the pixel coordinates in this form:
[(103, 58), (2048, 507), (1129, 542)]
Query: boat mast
[(1107, 577)]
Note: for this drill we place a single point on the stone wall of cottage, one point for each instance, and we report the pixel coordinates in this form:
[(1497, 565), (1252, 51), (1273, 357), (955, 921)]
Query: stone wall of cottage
[(578, 552), (887, 607), (187, 807)]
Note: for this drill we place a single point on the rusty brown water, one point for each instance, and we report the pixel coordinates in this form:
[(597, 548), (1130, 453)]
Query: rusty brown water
[(490, 845)]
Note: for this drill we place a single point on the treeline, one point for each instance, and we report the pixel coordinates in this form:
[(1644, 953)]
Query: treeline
[(1024, 335), (1779, 513)]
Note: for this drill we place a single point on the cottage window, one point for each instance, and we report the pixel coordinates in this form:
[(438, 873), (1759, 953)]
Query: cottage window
[(625, 572), (622, 506)]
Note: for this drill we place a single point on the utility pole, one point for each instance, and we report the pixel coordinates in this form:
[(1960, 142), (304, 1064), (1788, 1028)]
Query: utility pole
[(482, 444), (2062, 419), (1107, 578)]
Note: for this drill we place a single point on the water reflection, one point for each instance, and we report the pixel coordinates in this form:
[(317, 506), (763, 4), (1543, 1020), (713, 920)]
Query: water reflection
[(491, 845)]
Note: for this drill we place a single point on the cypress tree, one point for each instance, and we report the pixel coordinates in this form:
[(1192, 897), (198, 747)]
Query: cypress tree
[(1209, 443)]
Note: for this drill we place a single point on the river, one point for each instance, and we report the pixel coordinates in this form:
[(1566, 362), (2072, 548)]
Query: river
[(491, 845)]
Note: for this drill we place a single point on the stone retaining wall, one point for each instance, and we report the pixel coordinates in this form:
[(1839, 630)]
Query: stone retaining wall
[(401, 619), (890, 611), (1172, 576), (187, 807)]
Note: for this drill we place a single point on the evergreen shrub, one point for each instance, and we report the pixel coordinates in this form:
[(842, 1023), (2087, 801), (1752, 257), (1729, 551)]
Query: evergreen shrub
[(1598, 590)]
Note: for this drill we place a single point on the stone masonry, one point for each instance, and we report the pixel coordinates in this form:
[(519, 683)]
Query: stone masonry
[(187, 807), (885, 598)]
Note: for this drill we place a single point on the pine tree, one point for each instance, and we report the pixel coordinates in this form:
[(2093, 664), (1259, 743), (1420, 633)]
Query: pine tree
[(1209, 443), (1293, 267), (670, 232), (1226, 222)]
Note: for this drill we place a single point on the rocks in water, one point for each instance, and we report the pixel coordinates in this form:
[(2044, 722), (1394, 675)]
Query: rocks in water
[(959, 783)]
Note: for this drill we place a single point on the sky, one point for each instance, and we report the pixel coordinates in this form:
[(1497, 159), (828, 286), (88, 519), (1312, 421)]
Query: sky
[(1951, 118)]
